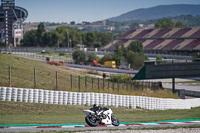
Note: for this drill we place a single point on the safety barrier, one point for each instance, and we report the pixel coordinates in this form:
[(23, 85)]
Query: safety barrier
[(77, 98)]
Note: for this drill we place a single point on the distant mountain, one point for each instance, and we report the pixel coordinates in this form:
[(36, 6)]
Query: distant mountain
[(157, 12)]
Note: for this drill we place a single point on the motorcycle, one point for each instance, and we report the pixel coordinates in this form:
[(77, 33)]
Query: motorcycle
[(100, 116)]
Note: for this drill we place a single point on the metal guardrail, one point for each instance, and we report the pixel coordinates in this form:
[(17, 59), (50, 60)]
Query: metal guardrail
[(99, 52)]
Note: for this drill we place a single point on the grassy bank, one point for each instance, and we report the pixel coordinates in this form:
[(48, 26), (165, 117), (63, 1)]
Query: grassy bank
[(23, 73), (22, 76), (27, 113)]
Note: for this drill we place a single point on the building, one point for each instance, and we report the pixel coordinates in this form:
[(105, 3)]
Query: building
[(162, 40), (11, 18)]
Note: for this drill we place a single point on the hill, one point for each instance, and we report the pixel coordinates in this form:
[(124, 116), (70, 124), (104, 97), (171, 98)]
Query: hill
[(157, 12)]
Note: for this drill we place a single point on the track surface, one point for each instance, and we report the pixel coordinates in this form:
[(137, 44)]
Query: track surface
[(114, 70), (60, 127)]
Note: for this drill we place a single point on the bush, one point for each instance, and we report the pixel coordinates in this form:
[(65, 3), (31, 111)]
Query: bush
[(135, 59), (61, 54), (106, 58), (79, 56), (91, 57), (2, 44)]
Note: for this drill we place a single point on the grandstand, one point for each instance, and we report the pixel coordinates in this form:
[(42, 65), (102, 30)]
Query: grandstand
[(162, 40)]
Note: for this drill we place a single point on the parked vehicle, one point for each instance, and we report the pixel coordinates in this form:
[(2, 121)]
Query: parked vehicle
[(60, 63), (95, 63), (110, 64), (100, 116)]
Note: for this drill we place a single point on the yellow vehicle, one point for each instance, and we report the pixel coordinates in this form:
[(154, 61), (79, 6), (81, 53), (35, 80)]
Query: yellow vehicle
[(110, 64)]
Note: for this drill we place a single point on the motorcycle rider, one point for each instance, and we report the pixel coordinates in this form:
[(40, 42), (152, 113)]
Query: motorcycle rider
[(96, 108), (98, 115)]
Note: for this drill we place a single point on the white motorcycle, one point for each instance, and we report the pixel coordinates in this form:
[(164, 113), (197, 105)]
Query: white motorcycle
[(100, 116)]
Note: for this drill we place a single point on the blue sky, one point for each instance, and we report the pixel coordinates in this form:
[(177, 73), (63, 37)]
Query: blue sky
[(86, 10)]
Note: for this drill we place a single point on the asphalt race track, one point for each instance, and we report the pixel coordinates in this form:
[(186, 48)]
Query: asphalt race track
[(84, 127), (113, 70)]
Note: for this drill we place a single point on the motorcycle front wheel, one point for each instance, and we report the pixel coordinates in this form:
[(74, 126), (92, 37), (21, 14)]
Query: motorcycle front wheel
[(115, 121), (91, 121)]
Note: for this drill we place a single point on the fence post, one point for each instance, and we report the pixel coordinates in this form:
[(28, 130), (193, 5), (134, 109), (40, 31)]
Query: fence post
[(126, 85), (113, 85), (132, 86), (35, 78), (92, 83), (98, 83), (103, 83), (9, 72), (71, 81), (85, 82), (79, 84), (118, 86), (108, 85), (56, 80), (149, 84)]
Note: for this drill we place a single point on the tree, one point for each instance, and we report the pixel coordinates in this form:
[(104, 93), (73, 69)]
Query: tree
[(137, 47), (91, 57), (54, 38), (158, 58), (90, 39), (39, 32), (135, 59), (179, 25), (79, 56), (167, 23), (97, 44), (61, 33), (30, 39), (104, 38), (2, 44), (164, 23), (46, 39), (118, 55), (105, 58)]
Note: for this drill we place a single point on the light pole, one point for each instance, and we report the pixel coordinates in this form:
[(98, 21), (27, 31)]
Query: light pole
[(70, 43)]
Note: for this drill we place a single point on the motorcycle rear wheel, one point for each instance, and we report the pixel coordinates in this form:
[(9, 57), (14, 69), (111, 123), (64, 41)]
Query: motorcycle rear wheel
[(91, 121), (115, 121)]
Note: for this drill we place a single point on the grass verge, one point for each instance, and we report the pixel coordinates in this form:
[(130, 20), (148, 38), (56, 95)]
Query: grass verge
[(28, 113)]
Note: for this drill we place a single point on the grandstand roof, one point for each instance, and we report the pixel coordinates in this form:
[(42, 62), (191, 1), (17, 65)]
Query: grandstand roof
[(161, 39)]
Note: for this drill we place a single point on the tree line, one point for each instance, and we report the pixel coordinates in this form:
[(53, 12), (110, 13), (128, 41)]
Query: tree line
[(64, 36), (133, 55), (167, 23)]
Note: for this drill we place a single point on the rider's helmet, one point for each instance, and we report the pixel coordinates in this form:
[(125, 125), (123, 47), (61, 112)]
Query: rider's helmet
[(94, 106)]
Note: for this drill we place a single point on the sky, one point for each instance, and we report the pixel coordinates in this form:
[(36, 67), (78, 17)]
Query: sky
[(86, 10)]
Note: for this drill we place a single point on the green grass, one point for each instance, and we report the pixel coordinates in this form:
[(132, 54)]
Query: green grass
[(23, 73), (57, 54), (23, 77), (27, 113)]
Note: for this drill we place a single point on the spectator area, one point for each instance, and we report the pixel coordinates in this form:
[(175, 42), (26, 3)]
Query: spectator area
[(162, 39)]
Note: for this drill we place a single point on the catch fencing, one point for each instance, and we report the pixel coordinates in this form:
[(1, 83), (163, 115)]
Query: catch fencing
[(78, 98), (69, 82)]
